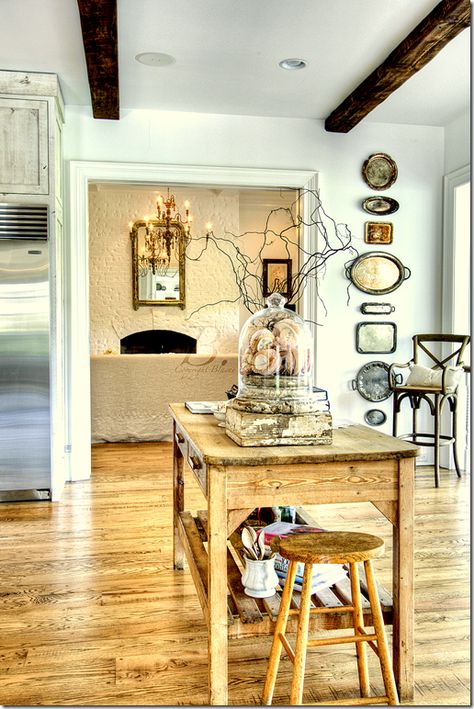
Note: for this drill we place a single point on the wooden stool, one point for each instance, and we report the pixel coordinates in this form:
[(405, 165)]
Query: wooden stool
[(331, 548)]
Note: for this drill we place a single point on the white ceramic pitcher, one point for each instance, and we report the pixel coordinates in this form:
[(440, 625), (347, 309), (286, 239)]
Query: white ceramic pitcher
[(259, 578)]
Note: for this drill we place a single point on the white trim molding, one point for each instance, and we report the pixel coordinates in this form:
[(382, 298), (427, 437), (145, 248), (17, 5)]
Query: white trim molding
[(450, 182), (76, 266)]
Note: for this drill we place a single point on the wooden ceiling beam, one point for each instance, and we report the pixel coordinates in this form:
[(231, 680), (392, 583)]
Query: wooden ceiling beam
[(438, 28), (99, 36)]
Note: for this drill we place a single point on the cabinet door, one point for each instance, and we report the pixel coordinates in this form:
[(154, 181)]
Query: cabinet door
[(23, 146)]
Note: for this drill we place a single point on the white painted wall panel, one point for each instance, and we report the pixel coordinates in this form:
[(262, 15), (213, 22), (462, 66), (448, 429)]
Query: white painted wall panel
[(457, 143)]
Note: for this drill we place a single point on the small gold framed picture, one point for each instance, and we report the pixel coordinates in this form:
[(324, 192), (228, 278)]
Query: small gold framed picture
[(378, 233)]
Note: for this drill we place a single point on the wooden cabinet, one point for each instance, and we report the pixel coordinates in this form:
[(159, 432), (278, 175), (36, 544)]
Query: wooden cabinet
[(23, 146), (31, 118)]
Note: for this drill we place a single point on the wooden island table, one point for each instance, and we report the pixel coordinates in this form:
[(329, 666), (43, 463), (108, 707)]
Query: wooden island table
[(361, 465)]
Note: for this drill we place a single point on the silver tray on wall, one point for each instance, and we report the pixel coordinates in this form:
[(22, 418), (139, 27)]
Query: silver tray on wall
[(380, 205), (377, 272), (372, 381), (379, 171), (375, 417), (374, 337), (377, 308)]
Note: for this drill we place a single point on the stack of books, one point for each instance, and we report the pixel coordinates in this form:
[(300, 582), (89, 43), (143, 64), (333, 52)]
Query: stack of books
[(321, 396), (324, 575)]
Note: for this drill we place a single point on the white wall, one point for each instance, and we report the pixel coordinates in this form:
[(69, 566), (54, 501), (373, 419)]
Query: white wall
[(238, 217), (110, 271), (457, 143), (243, 141)]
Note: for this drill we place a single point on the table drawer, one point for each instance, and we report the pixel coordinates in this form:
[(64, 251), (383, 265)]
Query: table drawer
[(180, 440), (198, 467)]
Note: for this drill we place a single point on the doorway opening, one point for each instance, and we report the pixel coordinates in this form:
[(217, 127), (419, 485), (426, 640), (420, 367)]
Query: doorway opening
[(83, 174)]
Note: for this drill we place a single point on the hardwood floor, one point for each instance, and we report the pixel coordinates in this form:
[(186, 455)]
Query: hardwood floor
[(92, 613)]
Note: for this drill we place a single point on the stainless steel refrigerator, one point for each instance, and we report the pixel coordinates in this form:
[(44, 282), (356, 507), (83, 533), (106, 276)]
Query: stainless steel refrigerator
[(25, 458)]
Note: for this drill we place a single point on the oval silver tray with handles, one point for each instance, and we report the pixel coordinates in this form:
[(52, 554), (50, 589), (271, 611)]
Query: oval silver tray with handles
[(372, 381), (377, 272), (377, 308), (380, 205)]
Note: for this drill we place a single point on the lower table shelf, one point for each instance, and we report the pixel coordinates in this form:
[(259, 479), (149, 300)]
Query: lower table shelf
[(254, 616)]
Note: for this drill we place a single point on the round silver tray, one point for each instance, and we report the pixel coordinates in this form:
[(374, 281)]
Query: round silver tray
[(379, 171), (372, 381)]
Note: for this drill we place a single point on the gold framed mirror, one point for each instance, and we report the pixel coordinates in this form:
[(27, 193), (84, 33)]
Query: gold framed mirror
[(158, 263)]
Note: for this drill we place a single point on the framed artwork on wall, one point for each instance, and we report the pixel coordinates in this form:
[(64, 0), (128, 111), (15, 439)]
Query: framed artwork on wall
[(378, 233), (277, 276)]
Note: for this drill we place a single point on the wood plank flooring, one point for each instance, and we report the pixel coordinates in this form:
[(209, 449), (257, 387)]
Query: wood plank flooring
[(92, 613)]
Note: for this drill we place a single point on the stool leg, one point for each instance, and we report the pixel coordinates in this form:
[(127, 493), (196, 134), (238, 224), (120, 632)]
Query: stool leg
[(302, 638), (361, 648), (379, 627), (280, 627)]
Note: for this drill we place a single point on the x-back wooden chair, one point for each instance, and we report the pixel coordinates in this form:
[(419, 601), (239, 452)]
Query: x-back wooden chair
[(437, 384)]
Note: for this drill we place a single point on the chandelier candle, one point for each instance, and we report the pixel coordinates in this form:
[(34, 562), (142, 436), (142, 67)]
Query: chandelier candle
[(163, 235)]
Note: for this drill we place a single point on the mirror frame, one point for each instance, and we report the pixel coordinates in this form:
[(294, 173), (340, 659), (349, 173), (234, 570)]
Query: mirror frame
[(137, 302)]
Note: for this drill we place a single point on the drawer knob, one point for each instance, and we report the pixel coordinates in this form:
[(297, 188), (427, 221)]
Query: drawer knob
[(179, 438), (195, 462)]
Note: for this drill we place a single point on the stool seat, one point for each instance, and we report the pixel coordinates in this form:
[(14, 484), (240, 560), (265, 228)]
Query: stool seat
[(331, 547)]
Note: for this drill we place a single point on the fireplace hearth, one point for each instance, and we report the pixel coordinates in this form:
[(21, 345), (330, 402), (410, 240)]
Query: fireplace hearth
[(157, 342)]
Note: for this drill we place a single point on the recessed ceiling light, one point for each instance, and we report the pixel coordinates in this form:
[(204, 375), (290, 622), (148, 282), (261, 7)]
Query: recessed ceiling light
[(292, 64), (155, 59)]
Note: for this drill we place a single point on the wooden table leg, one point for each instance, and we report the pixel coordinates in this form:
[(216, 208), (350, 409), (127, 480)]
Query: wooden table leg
[(403, 583), (178, 501), (217, 585)]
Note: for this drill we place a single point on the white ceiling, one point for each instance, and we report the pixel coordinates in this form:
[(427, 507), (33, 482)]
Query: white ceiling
[(227, 54)]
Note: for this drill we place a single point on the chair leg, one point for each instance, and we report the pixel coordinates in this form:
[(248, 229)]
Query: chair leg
[(358, 615), (455, 434), (379, 627), (280, 628), (394, 415), (436, 439), (414, 403), (302, 638)]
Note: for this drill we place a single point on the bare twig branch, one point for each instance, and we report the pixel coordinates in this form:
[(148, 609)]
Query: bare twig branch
[(327, 238)]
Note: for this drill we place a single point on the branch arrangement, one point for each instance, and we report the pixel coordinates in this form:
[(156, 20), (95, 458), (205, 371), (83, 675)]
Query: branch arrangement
[(327, 238)]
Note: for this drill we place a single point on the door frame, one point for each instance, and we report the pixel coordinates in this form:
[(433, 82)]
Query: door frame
[(451, 181), (76, 269)]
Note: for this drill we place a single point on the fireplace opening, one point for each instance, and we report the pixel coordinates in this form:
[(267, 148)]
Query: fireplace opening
[(157, 342)]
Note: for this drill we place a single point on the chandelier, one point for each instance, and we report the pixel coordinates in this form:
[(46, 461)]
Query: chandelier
[(164, 236)]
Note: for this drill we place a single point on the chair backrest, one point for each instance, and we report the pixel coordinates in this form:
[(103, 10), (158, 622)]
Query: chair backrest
[(442, 350)]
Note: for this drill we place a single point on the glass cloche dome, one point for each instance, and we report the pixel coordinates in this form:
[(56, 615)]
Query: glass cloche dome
[(275, 355)]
